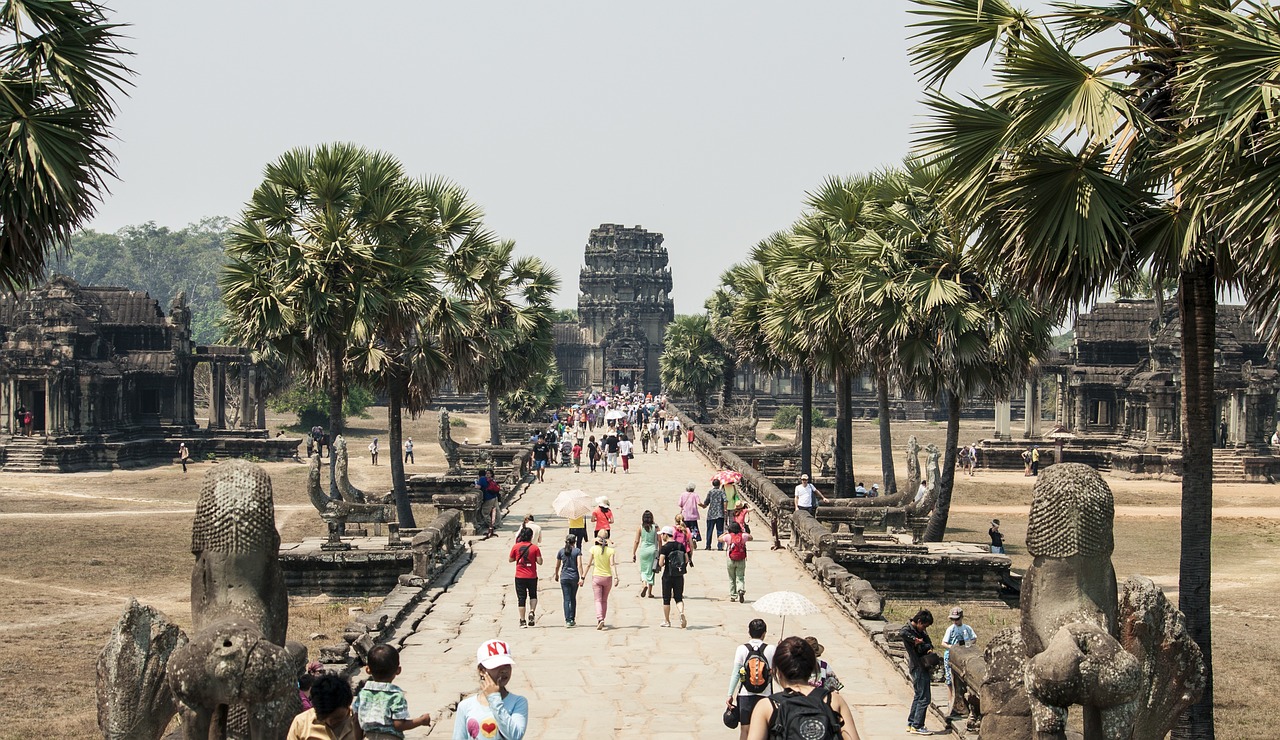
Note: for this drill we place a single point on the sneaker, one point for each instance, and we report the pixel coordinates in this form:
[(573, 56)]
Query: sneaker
[(665, 624), (530, 620), (570, 623), (683, 622), (742, 597), (599, 624), (918, 731)]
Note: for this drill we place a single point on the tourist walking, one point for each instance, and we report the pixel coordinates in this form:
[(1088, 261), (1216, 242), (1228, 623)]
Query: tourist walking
[(671, 561), (689, 438), (20, 419), (602, 517), (684, 537), (408, 451), (916, 642), (541, 457), (569, 574), (330, 716), (373, 450), (602, 565), (494, 712), (807, 495), (752, 676), (491, 496), (958, 634), (689, 504), (527, 557), (825, 714), (825, 677), (997, 539), (537, 529), (593, 452), (714, 503), (644, 550), (676, 433), (624, 453), (736, 540), (611, 451), (184, 455), (577, 456)]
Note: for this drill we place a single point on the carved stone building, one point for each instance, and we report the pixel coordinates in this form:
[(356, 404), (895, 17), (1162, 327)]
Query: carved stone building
[(624, 306), (109, 380)]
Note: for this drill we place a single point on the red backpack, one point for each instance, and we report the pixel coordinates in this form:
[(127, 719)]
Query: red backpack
[(737, 547)]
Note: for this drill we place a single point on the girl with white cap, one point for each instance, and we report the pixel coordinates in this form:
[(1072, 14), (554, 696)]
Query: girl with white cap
[(494, 712)]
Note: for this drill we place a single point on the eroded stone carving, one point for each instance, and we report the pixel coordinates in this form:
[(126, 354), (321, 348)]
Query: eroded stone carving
[(337, 513), (346, 491), (236, 677), (913, 466), (1130, 665), (134, 700), (451, 454)]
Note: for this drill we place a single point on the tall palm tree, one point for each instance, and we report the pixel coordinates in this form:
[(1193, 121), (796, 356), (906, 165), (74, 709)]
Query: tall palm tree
[(1079, 168), (307, 259), (511, 300), (719, 311), (59, 70), (692, 361)]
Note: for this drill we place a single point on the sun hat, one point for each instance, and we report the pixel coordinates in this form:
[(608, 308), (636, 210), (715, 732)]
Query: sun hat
[(494, 653), (995, 522), (669, 531), (602, 500), (817, 646), (957, 612), (804, 476)]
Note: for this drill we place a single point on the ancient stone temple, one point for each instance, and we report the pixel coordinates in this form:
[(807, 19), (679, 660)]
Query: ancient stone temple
[(624, 306), (109, 380)]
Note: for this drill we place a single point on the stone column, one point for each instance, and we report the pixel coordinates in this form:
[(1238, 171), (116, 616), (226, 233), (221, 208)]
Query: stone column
[(6, 407), (1233, 418), (1031, 421), (48, 408), (219, 396), (246, 411), (86, 405), (1004, 419)]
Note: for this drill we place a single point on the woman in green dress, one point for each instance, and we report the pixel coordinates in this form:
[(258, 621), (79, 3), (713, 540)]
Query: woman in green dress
[(646, 545)]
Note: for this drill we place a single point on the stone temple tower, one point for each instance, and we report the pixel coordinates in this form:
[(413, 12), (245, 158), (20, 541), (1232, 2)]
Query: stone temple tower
[(624, 306)]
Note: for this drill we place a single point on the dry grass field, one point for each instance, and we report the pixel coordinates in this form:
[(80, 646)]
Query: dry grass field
[(78, 546)]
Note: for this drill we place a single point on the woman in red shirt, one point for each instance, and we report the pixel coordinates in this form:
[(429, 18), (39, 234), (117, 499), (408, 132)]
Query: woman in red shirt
[(527, 557), (602, 517)]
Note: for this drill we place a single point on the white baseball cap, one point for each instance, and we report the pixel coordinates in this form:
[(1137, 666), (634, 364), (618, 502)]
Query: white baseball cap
[(669, 531), (494, 653)]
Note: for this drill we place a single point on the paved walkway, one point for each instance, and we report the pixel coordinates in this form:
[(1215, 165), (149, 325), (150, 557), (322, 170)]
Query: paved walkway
[(634, 679)]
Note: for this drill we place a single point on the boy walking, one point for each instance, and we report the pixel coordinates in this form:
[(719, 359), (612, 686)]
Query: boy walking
[(381, 706)]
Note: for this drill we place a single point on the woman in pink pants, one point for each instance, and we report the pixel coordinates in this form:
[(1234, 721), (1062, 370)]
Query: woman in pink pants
[(603, 569)]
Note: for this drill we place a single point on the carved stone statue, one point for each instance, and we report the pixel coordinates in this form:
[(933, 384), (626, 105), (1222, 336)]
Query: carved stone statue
[(1130, 665), (932, 471), (236, 677), (337, 513), (451, 454), (913, 466), (346, 491)]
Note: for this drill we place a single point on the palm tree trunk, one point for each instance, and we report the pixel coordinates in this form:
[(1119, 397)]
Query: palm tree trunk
[(495, 430), (886, 434), (806, 423), (730, 378), (844, 435), (404, 511), (1198, 310), (937, 528)]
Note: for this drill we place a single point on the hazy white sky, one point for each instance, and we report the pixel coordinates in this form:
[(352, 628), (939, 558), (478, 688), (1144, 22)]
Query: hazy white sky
[(705, 121)]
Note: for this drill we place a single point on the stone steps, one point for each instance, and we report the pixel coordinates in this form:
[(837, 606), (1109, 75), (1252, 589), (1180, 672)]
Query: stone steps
[(23, 455)]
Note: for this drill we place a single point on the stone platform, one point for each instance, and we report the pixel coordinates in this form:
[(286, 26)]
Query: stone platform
[(369, 568)]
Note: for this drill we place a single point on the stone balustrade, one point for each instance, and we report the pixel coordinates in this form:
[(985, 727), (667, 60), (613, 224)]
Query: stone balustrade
[(438, 543)]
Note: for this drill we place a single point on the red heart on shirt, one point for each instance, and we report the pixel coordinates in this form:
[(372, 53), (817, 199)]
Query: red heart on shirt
[(489, 727)]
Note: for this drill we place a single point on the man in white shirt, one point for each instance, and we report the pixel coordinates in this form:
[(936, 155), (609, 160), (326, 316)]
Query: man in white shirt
[(738, 693), (806, 492), (535, 528)]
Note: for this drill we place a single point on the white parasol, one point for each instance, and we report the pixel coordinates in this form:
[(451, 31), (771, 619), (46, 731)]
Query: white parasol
[(615, 414), (573, 504), (785, 604)]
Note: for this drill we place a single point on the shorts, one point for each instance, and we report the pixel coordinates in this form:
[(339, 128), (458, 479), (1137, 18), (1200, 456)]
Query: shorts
[(526, 587), (487, 506), (746, 703), (539, 464), (672, 589)]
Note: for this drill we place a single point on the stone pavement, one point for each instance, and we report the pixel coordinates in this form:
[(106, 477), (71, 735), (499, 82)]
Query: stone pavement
[(634, 679)]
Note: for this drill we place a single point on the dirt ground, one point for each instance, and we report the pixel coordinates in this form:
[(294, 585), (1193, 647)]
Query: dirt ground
[(80, 545)]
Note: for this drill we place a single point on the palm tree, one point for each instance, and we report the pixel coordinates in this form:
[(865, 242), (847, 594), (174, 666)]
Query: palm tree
[(58, 74), (1082, 167), (511, 300), (692, 361), (719, 311)]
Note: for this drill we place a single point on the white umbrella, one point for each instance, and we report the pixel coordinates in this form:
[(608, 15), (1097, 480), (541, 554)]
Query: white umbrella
[(573, 504), (615, 414), (785, 604)]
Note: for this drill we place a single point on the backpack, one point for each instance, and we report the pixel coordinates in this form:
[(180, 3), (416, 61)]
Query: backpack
[(738, 547), (756, 674), (798, 716), (676, 562)]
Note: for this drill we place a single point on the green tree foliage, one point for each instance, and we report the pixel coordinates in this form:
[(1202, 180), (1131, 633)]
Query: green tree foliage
[(692, 361), (530, 403), (311, 404), (562, 315), (158, 260), (60, 66)]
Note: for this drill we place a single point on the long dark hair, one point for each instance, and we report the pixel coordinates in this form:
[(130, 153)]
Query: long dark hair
[(646, 520), (526, 535)]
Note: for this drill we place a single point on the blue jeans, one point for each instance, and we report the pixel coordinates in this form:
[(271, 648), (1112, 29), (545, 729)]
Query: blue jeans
[(715, 528), (570, 591), (920, 704)]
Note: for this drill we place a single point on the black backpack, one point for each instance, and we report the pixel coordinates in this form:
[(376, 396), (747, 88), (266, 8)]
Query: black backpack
[(798, 716), (676, 563)]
